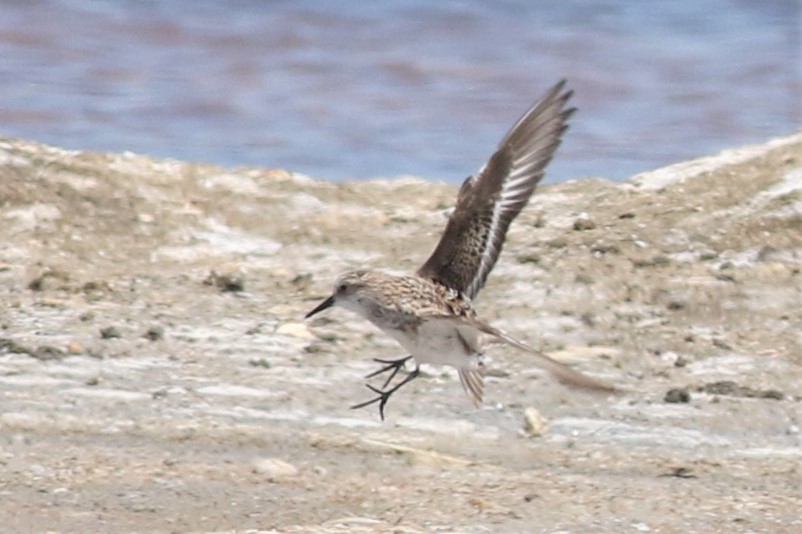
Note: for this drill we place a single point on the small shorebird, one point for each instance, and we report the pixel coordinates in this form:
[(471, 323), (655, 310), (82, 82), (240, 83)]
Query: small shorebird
[(430, 313)]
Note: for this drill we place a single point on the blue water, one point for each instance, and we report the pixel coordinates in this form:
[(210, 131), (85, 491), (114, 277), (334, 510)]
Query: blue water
[(357, 89)]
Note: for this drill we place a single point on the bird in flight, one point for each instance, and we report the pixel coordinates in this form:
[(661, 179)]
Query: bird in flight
[(431, 313)]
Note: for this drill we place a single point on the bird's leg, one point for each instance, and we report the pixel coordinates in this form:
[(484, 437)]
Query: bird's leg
[(395, 365), (384, 396)]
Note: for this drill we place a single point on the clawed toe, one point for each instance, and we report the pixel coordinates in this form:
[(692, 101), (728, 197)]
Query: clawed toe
[(383, 395), (382, 398), (395, 365)]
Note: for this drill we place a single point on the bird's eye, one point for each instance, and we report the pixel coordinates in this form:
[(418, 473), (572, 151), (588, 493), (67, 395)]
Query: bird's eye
[(341, 288)]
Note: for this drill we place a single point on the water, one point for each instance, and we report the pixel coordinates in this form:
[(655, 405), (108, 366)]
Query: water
[(356, 90)]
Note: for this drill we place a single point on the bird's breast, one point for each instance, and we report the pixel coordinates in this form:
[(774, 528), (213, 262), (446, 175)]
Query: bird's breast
[(435, 342)]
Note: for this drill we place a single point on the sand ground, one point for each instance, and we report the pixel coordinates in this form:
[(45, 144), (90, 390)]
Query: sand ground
[(156, 373)]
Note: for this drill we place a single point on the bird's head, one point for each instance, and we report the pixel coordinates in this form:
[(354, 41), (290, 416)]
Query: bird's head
[(350, 289)]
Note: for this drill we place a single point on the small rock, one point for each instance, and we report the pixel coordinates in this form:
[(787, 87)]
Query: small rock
[(532, 257), (228, 281), (720, 343), (314, 348), (110, 332), (656, 261), (601, 248), (677, 395), (47, 352), (96, 286), (274, 468), (679, 472), (299, 330), (73, 347), (49, 279), (260, 362), (155, 333), (584, 224), (534, 423), (773, 394), (12, 346)]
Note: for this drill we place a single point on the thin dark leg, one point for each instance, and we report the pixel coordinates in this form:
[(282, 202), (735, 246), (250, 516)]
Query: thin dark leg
[(395, 365), (384, 396)]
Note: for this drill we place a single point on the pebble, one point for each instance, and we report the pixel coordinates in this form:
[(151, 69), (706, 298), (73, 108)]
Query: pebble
[(47, 352), (48, 280), (229, 281), (534, 423), (584, 224), (299, 330), (154, 333), (274, 468), (677, 395), (110, 332)]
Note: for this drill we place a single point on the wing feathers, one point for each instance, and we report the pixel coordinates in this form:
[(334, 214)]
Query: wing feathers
[(489, 201)]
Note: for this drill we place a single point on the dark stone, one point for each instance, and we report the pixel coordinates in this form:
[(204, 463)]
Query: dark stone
[(110, 332), (155, 333), (677, 395)]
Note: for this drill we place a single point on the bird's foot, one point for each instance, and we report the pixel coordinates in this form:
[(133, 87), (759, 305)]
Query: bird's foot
[(384, 395), (395, 365)]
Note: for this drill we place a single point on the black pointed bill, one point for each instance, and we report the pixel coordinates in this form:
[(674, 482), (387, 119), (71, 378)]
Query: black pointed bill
[(328, 303)]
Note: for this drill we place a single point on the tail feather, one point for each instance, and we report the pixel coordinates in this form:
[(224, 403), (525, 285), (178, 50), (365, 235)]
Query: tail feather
[(473, 384), (560, 371)]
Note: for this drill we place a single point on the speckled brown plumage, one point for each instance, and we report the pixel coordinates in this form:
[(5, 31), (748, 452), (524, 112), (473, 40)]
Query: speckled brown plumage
[(430, 313)]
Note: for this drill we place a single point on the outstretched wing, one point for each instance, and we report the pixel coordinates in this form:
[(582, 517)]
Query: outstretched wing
[(489, 201)]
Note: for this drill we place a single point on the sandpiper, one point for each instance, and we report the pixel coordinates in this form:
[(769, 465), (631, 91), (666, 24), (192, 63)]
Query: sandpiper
[(431, 313)]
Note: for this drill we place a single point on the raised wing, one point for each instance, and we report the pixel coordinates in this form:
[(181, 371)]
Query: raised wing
[(489, 201)]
